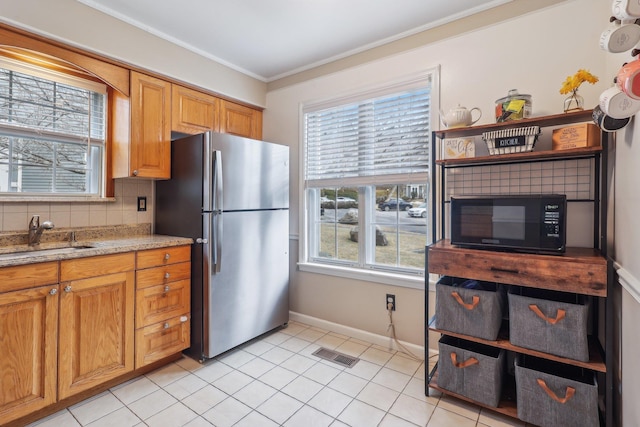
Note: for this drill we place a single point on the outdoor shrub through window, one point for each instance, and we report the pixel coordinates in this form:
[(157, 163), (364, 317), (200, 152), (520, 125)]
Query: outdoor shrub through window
[(52, 131), (367, 181)]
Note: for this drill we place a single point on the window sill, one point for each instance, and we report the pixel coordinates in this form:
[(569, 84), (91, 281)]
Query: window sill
[(394, 279), (51, 198)]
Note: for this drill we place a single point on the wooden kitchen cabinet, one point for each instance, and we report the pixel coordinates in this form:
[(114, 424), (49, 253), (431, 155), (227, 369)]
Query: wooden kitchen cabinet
[(28, 345), (193, 112), (96, 321), (141, 129), (163, 303), (240, 120)]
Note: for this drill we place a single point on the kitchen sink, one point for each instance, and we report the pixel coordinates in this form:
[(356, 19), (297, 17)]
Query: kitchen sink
[(26, 252)]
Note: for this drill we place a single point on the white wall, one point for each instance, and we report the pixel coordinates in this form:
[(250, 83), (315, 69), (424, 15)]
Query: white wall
[(533, 53), (627, 255), (74, 23)]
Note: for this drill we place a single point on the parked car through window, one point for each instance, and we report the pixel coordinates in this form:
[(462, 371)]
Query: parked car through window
[(395, 204)]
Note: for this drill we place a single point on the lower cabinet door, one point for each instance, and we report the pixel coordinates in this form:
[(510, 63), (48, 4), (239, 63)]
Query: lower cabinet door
[(96, 331), (162, 339), (28, 346)]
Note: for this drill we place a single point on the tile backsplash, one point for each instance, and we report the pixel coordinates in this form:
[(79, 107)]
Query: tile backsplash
[(15, 216)]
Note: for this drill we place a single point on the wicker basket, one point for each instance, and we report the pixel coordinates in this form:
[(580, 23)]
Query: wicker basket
[(474, 312), (552, 322), (508, 141), (471, 369), (552, 394)]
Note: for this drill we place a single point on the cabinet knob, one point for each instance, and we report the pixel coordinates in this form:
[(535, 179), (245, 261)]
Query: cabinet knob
[(167, 288), (135, 172), (166, 275), (67, 288), (166, 325), (53, 291), (167, 256)]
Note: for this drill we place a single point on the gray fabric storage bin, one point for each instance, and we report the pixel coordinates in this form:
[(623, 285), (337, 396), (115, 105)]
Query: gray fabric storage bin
[(481, 381), (566, 338), (536, 406), (481, 320)]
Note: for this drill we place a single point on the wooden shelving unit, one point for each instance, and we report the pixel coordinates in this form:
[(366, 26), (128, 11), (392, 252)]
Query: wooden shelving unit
[(543, 121), (582, 271), (595, 363), (530, 156)]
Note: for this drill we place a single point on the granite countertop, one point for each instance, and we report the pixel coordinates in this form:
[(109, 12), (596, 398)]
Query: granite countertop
[(88, 243)]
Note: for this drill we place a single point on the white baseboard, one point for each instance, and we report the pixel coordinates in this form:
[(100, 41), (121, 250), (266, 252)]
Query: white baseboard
[(380, 340)]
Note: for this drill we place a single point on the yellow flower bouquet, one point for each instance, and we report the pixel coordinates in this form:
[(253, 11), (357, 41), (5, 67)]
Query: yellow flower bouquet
[(572, 83), (575, 102)]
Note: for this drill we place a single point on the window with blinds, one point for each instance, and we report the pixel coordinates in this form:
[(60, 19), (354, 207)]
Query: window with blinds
[(374, 138), (52, 131), (366, 178)]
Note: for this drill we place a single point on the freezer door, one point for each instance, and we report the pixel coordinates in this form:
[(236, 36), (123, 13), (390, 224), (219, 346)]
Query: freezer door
[(249, 295), (255, 174)]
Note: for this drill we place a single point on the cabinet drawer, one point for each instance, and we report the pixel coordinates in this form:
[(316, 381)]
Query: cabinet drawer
[(163, 256), (82, 268), (578, 270), (162, 275), (28, 276), (162, 302), (161, 340)]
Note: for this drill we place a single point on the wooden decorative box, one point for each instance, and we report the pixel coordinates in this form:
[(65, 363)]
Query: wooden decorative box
[(576, 136)]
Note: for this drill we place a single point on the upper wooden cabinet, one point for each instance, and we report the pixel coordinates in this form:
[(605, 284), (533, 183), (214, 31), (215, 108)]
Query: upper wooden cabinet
[(141, 129), (240, 120), (141, 124), (193, 112)]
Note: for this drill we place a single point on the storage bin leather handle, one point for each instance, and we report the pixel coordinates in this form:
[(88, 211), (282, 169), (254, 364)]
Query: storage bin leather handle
[(568, 394), (559, 315), (470, 361), (458, 298)]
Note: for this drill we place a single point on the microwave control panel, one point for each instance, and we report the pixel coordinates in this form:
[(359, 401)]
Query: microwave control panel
[(552, 213)]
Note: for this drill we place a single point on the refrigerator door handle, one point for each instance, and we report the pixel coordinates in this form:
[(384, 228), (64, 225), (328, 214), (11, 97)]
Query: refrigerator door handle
[(218, 209), (207, 177), (217, 246), (217, 181), (207, 258)]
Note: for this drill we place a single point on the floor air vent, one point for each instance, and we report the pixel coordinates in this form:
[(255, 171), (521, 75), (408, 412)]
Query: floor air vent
[(334, 356)]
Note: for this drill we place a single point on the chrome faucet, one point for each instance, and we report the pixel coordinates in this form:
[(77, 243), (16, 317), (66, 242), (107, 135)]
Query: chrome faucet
[(36, 229)]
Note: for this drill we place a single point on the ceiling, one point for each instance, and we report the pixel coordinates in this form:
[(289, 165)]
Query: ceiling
[(271, 39)]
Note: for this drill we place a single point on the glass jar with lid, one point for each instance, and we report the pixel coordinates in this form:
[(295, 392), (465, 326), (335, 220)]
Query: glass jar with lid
[(514, 106)]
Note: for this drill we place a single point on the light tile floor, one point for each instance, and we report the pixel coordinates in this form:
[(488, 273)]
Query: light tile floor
[(276, 381)]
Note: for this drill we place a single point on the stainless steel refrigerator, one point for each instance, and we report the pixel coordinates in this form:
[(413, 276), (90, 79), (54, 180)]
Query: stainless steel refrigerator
[(231, 196)]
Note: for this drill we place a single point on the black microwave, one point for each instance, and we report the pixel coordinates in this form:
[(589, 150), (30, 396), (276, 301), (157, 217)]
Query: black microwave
[(528, 223)]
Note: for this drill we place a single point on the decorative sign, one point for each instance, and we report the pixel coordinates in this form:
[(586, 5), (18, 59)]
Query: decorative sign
[(510, 141), (458, 148)]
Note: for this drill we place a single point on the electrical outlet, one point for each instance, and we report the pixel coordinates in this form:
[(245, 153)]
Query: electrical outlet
[(142, 204), (391, 299)]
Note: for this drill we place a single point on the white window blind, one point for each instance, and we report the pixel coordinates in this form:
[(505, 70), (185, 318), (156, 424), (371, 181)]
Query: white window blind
[(375, 140)]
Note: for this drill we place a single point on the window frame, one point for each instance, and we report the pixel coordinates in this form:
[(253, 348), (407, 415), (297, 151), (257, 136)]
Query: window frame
[(101, 145), (340, 269)]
